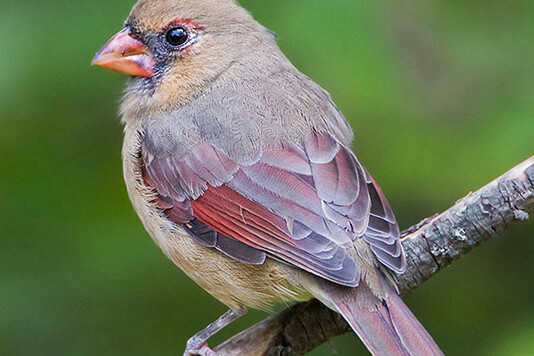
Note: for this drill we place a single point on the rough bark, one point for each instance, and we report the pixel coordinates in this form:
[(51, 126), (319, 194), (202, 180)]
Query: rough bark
[(430, 246)]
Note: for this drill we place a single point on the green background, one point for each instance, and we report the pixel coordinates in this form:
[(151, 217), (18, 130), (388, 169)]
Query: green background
[(440, 95)]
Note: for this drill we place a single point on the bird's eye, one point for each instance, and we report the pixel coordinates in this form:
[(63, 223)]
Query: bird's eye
[(177, 36)]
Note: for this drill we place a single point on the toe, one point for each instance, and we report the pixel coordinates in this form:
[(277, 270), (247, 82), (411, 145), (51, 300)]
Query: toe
[(202, 350)]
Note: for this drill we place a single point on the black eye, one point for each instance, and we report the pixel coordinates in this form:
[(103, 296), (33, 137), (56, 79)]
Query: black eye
[(177, 36)]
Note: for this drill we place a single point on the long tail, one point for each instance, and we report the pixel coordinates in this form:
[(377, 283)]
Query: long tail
[(386, 327)]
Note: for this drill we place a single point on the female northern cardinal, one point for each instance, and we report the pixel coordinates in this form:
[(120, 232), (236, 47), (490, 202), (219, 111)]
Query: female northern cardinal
[(240, 168)]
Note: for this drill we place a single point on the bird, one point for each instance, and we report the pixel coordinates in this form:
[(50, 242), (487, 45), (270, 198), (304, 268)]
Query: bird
[(240, 168)]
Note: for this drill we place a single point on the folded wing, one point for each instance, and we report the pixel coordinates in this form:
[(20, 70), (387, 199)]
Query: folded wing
[(301, 204)]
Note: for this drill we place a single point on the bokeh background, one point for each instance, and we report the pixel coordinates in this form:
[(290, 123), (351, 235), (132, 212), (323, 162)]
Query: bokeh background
[(439, 93)]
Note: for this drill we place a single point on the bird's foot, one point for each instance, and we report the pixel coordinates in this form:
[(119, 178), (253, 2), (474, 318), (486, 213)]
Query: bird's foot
[(196, 347)]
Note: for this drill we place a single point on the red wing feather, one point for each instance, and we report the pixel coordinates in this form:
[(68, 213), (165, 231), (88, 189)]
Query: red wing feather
[(224, 210)]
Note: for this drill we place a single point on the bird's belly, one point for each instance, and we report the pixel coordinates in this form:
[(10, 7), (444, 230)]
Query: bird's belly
[(233, 283)]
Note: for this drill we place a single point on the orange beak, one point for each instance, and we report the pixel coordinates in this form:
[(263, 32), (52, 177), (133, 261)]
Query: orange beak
[(126, 55)]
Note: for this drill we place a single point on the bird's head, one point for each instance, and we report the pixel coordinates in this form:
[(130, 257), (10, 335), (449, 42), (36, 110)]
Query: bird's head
[(175, 49)]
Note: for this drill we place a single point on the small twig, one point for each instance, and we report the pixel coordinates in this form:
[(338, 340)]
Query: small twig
[(430, 246)]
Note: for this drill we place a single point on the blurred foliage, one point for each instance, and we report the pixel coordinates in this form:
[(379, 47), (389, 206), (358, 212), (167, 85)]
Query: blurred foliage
[(439, 93)]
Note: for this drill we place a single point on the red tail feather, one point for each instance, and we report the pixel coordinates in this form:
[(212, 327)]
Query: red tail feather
[(386, 327)]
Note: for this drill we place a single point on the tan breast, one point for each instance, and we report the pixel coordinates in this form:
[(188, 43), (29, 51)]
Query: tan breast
[(233, 283)]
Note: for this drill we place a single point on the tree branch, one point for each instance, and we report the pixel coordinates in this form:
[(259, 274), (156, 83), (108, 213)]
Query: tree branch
[(430, 246)]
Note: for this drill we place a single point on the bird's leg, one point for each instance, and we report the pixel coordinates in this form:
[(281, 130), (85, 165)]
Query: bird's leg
[(197, 345)]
